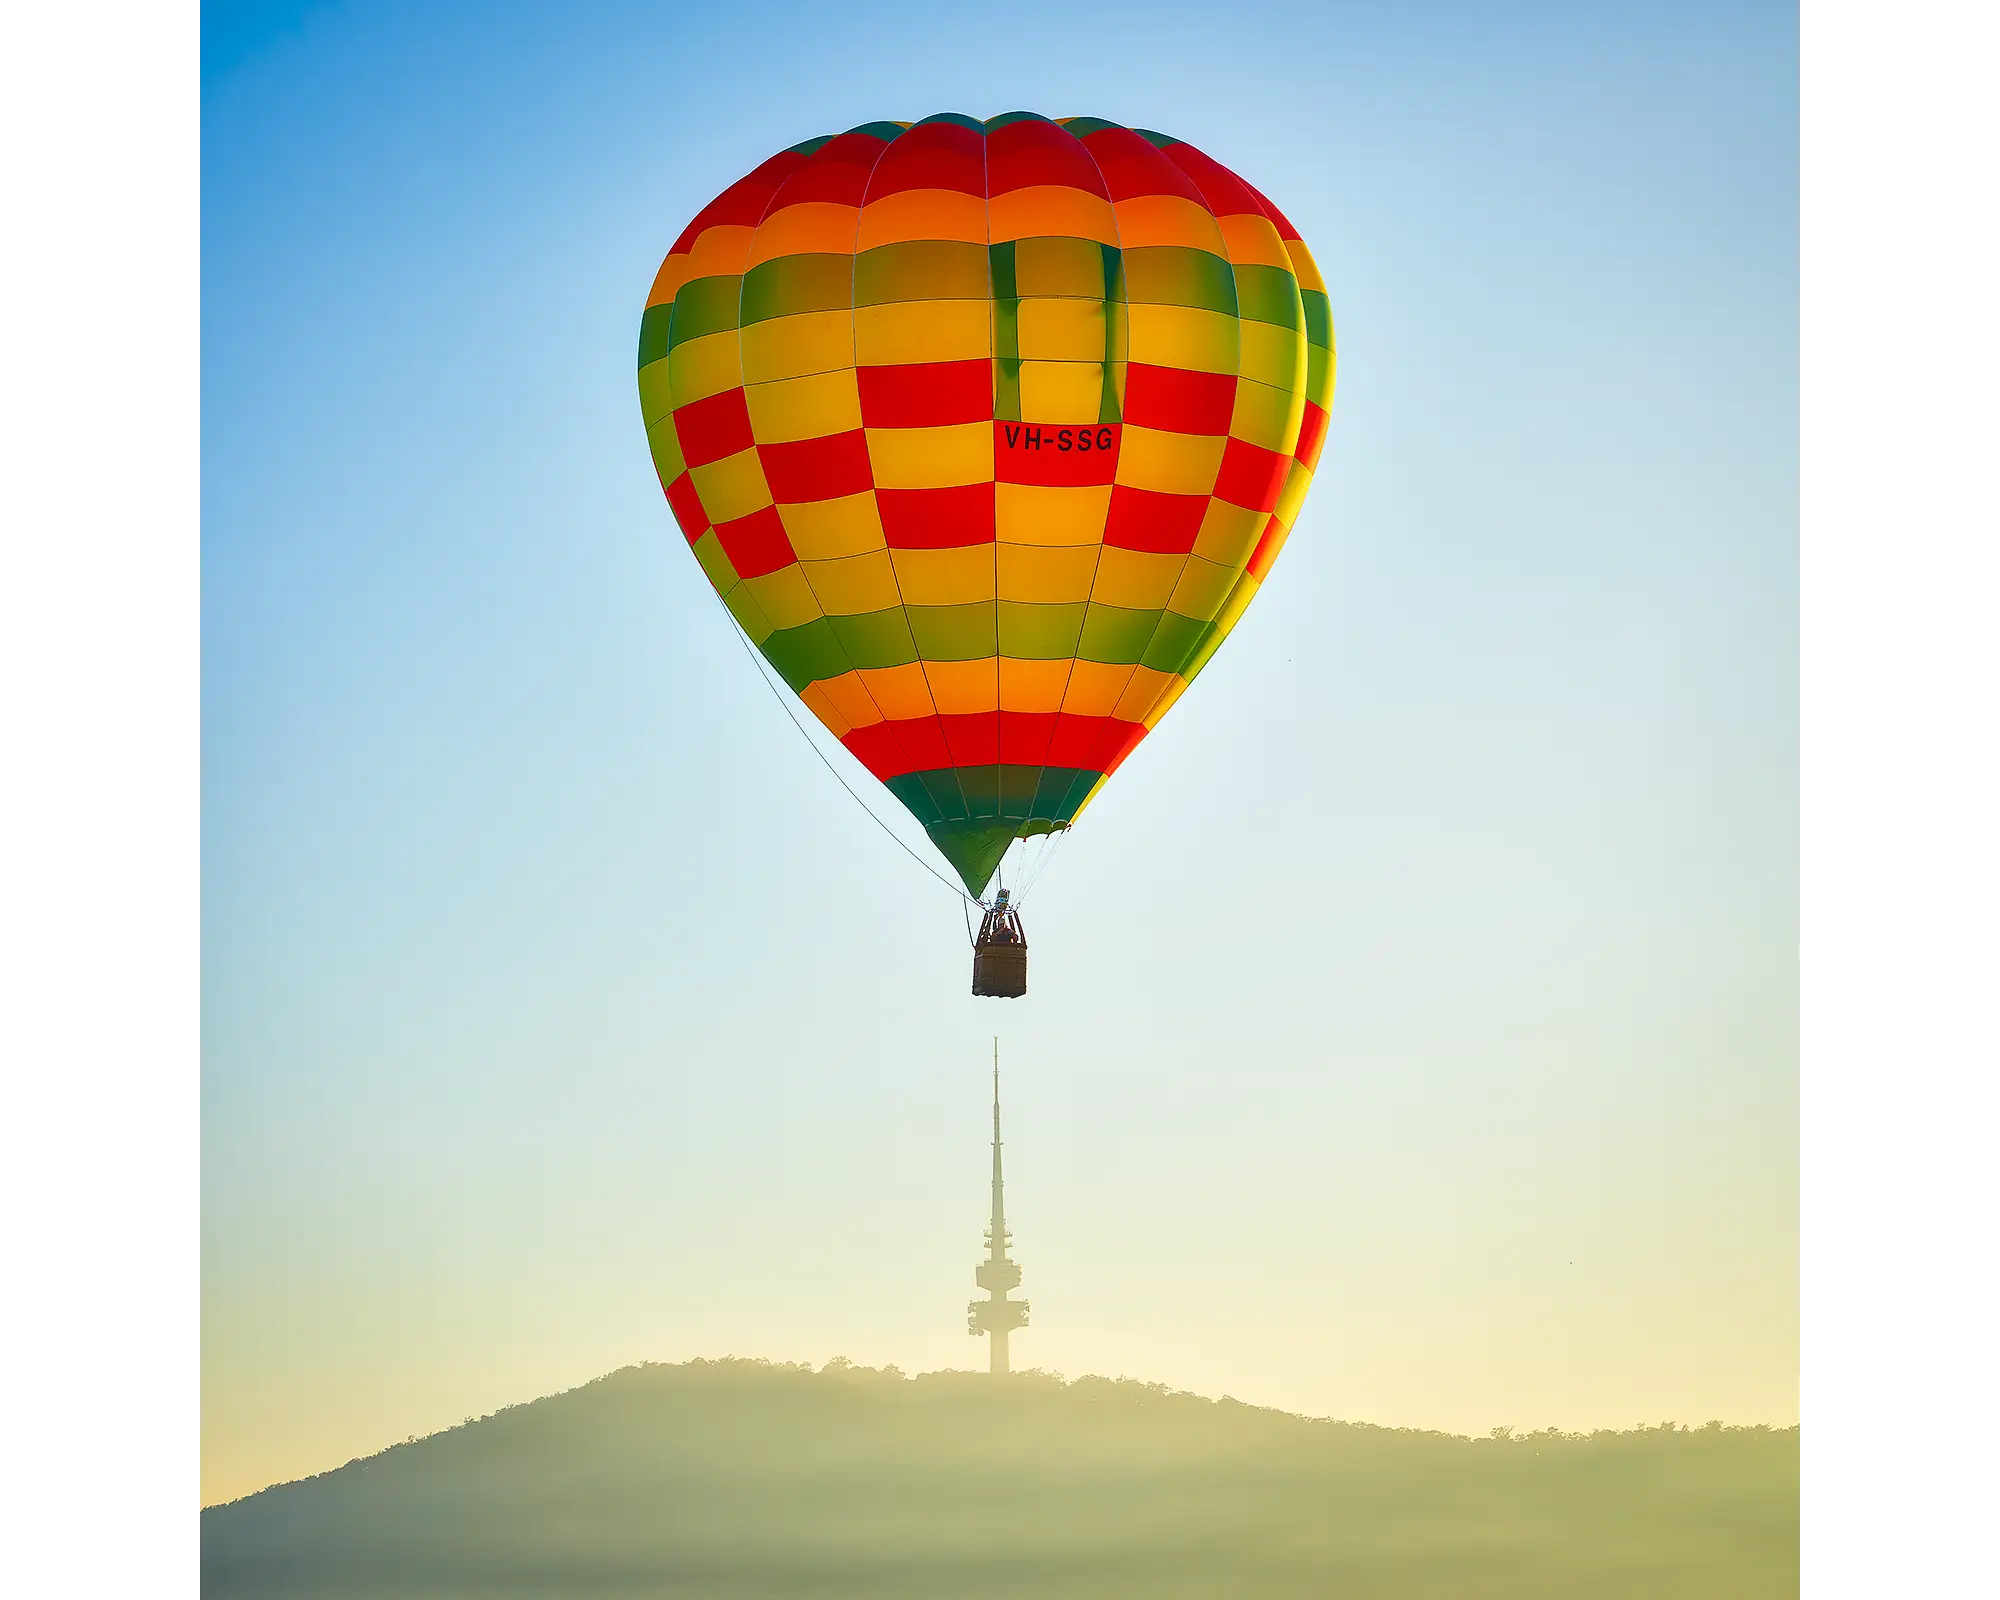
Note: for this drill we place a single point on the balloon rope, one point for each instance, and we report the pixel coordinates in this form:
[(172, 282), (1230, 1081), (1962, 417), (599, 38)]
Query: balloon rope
[(757, 657)]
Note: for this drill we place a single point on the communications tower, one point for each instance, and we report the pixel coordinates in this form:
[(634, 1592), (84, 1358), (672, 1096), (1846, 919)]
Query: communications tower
[(996, 1315)]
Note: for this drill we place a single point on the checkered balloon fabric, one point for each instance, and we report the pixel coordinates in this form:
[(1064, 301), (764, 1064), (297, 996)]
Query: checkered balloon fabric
[(987, 433)]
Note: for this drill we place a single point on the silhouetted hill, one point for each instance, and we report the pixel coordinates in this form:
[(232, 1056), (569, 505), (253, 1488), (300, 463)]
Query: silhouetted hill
[(737, 1479)]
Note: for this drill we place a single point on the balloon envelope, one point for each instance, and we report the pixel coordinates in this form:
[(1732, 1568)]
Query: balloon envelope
[(987, 433)]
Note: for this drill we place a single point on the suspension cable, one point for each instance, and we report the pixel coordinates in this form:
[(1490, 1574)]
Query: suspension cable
[(756, 656)]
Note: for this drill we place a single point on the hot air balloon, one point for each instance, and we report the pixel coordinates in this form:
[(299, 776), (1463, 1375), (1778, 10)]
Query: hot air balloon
[(986, 433)]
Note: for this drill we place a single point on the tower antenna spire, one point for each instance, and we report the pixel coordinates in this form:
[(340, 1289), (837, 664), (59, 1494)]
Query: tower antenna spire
[(996, 1315)]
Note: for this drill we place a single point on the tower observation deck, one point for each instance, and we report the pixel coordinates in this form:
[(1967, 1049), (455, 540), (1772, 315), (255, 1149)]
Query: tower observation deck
[(996, 1316)]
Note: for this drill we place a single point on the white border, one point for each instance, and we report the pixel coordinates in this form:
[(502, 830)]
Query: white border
[(1901, 806), (99, 806)]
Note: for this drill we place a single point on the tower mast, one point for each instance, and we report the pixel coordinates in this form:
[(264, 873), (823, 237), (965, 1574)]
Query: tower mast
[(996, 1315)]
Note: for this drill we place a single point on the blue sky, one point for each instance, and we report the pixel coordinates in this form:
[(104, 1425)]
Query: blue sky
[(1414, 1014)]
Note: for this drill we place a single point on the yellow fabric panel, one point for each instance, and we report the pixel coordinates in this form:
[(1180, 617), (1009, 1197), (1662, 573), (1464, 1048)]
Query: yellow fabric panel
[(709, 554), (804, 408), (1155, 219), (1250, 239), (1304, 268), (705, 366), (1293, 495), (1118, 343), (1228, 534), (816, 700), (1274, 355), (1032, 685), (656, 395), (1171, 463), (1046, 574), (1146, 687), (964, 688), (931, 458), (1203, 586), (1237, 603), (1094, 688), (901, 692), (1050, 209), (825, 530), (848, 696), (732, 487), (1183, 336), (813, 227), (853, 586), (793, 347), (1138, 580), (910, 331), (1268, 417), (1061, 391), (743, 607), (1062, 330), (666, 444), (952, 577), (785, 597), (922, 214), (1165, 703), (1063, 268), (1032, 513)]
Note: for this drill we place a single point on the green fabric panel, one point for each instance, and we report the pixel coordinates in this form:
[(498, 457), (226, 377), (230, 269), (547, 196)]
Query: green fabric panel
[(911, 789), (1179, 275), (1057, 795), (957, 119), (656, 400), (1107, 401), (708, 551), (1269, 294), (1079, 791), (1319, 318), (920, 269), (1007, 386), (1173, 641), (1204, 650), (1114, 636), (806, 653), (953, 633), (704, 305), (880, 130), (875, 639), (792, 284), (1000, 263), (1031, 632), (653, 328), (974, 849), (808, 146), (1006, 117), (945, 795), (1083, 127), (1159, 139), (1063, 268)]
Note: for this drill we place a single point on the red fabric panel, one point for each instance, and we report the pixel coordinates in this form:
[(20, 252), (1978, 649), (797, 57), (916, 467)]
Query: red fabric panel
[(890, 749), (1227, 195), (1179, 401), (1312, 435), (1023, 154), (837, 171), (1251, 476), (936, 519), (817, 469), (1095, 744), (742, 204), (756, 544), (938, 155), (1145, 519), (928, 394), (1037, 452), (1266, 551), (687, 508), (1133, 166), (712, 428)]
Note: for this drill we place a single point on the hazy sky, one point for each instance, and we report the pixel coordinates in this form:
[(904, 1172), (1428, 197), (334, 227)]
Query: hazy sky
[(1412, 1035)]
